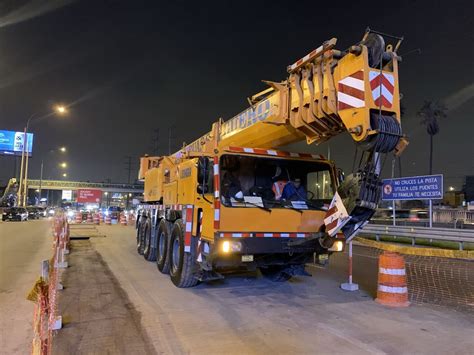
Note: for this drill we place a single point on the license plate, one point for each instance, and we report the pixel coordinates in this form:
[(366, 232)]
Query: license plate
[(247, 258)]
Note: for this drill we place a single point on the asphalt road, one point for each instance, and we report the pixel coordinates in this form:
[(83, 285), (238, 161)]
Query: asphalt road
[(248, 314), (23, 245)]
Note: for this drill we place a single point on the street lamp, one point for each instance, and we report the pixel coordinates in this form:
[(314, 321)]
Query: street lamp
[(64, 175), (61, 109), (63, 165), (23, 188)]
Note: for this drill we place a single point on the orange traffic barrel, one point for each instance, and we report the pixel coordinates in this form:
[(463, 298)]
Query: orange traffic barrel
[(96, 218), (131, 219), (89, 218), (123, 219), (78, 217), (392, 281), (108, 220)]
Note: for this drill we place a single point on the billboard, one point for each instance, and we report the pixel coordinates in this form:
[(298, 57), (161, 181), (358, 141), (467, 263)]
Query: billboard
[(89, 196), (11, 143), (428, 187), (67, 195)]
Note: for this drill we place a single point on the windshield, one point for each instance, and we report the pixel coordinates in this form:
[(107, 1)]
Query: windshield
[(274, 183)]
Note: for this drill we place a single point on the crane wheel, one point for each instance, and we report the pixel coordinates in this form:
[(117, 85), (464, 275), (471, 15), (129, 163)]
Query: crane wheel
[(149, 250), (181, 263), (275, 273), (162, 247), (140, 232)]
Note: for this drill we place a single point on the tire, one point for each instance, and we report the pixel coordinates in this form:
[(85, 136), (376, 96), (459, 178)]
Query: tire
[(149, 250), (275, 273), (181, 263), (140, 230), (162, 247)]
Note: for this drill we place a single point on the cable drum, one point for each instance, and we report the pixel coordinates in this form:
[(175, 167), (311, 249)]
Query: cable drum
[(388, 134)]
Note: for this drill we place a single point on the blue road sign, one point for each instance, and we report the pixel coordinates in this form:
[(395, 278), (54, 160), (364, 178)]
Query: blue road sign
[(429, 187)]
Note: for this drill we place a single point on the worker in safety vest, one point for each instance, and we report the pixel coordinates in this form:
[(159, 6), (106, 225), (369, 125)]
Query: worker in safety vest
[(278, 184)]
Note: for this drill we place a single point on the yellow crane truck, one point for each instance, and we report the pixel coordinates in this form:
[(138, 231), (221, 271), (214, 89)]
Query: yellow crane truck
[(232, 200)]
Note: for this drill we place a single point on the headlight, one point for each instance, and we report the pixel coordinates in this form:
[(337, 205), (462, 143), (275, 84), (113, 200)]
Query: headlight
[(231, 246), (70, 213), (337, 246)]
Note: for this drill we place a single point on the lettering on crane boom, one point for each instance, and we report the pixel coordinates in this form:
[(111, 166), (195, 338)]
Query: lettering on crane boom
[(246, 119), (237, 123)]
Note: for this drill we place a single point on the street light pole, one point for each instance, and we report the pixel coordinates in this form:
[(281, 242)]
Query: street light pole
[(41, 180), (23, 188)]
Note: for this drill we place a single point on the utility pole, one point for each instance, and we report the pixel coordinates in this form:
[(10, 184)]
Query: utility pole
[(170, 138), (155, 139), (128, 164)]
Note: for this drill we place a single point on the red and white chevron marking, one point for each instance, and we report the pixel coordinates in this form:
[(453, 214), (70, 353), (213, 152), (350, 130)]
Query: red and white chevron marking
[(382, 86), (188, 226), (351, 91), (217, 197), (263, 235), (336, 216), (306, 58), (275, 153)]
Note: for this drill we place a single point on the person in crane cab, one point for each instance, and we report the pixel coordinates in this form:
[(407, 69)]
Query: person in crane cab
[(278, 183), (294, 190), (231, 187)]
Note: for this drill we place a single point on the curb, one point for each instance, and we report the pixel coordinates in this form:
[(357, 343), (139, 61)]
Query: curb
[(409, 250)]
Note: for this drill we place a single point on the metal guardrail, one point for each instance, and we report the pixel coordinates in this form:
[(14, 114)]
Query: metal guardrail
[(460, 236), (453, 215)]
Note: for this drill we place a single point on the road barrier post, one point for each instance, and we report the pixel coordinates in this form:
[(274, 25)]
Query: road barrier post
[(350, 286)]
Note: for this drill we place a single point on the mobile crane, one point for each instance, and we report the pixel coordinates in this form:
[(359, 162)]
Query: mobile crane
[(231, 200)]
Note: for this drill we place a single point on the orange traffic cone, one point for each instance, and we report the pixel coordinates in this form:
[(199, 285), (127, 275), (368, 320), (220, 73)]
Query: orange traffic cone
[(392, 282)]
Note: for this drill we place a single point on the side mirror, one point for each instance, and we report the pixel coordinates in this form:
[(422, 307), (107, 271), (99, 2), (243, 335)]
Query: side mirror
[(202, 189), (340, 175), (203, 170)]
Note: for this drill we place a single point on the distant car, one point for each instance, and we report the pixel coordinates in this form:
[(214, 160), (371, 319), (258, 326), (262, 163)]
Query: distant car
[(42, 211), (113, 212), (33, 212), (15, 214)]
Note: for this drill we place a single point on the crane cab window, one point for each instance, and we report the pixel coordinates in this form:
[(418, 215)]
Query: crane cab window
[(274, 182)]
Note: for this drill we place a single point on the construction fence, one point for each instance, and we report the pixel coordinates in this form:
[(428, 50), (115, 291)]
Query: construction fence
[(44, 294)]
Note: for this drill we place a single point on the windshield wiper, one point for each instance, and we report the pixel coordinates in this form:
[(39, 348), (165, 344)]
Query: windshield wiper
[(261, 207), (282, 205)]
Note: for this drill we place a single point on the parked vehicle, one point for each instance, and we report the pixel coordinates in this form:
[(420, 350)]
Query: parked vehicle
[(232, 200), (33, 212), (15, 214)]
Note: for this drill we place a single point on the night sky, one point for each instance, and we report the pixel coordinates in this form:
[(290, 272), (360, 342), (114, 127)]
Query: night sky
[(127, 68)]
